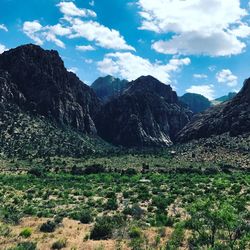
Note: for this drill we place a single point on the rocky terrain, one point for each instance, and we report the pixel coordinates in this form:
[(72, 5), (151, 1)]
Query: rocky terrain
[(108, 87), (41, 84), (148, 113), (197, 103), (232, 116)]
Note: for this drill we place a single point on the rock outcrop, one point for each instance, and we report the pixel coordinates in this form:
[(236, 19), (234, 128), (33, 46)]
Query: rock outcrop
[(39, 82), (148, 113), (232, 116), (109, 87), (197, 103)]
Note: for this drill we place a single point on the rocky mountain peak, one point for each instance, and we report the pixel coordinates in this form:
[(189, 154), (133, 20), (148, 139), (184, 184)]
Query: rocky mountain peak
[(48, 88), (152, 85)]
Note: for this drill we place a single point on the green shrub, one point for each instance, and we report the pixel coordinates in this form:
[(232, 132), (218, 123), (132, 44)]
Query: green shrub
[(86, 217), (59, 244), (102, 229), (111, 204), (176, 237), (26, 232), (135, 232), (48, 227), (24, 246), (37, 171)]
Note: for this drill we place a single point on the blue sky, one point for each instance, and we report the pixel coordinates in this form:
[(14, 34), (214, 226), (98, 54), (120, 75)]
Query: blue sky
[(199, 46)]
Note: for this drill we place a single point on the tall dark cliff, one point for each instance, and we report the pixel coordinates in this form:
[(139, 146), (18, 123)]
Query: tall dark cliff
[(39, 82), (148, 113), (232, 116)]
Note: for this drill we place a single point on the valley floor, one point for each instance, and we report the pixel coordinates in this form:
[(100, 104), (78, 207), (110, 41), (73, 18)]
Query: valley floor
[(124, 210)]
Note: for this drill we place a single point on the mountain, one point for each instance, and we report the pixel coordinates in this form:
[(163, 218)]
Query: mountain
[(148, 113), (37, 81), (28, 136), (224, 98), (108, 87), (197, 103), (232, 116)]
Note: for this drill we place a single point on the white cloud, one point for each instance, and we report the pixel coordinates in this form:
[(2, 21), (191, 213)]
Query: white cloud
[(129, 66), (205, 90), (74, 27), (103, 36), (227, 77), (2, 48), (70, 9), (31, 29), (39, 34), (209, 27), (200, 76), (85, 47), (3, 27)]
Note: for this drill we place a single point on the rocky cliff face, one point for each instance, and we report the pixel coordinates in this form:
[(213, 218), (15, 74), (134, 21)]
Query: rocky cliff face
[(232, 116), (197, 103), (108, 87), (148, 113), (37, 80)]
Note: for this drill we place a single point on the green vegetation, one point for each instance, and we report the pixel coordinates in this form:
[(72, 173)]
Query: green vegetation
[(26, 232), (213, 207)]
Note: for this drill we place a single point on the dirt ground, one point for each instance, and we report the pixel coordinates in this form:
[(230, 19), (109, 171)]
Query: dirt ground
[(74, 232)]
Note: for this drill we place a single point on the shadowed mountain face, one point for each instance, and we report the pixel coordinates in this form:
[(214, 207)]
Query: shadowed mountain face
[(232, 116), (40, 83), (197, 103), (148, 113), (108, 87)]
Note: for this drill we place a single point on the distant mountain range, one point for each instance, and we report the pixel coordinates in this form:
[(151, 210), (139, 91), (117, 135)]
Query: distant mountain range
[(224, 98), (50, 103), (232, 116), (108, 87), (197, 103)]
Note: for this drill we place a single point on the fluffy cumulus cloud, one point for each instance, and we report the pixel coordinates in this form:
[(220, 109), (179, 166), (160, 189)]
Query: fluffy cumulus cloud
[(130, 66), (227, 77), (3, 27), (39, 34), (2, 48), (101, 35), (76, 23), (209, 27), (205, 90), (70, 9)]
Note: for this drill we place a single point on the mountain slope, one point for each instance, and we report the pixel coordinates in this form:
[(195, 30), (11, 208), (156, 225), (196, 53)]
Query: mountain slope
[(148, 113), (25, 135), (48, 89), (232, 116), (108, 87), (197, 103)]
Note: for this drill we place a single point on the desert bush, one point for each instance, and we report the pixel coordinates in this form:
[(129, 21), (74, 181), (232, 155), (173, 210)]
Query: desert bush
[(86, 217), (59, 244), (176, 238), (26, 232), (37, 171), (48, 227), (24, 246)]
